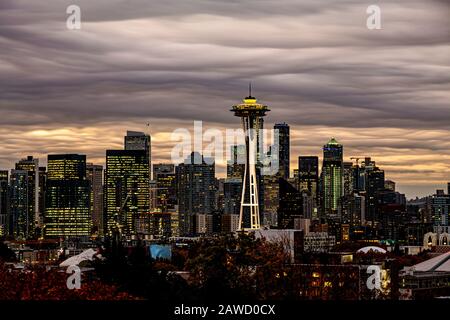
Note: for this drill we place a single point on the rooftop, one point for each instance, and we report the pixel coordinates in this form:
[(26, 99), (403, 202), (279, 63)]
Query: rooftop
[(333, 141), (440, 263)]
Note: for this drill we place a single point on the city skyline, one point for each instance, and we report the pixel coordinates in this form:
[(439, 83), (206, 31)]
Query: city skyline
[(99, 158), (224, 158), (381, 93)]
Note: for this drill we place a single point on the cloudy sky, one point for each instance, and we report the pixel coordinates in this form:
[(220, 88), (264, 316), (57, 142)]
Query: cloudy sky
[(381, 93)]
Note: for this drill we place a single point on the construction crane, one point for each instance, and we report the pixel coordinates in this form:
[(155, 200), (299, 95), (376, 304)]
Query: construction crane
[(118, 227), (117, 217)]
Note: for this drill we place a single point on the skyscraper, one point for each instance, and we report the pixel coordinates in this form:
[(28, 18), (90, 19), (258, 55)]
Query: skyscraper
[(127, 193), (283, 149), (353, 210), (135, 140), (368, 179), (21, 221), (236, 165), (251, 114), (35, 186), (67, 212), (290, 205), (94, 174), (220, 194), (308, 174), (308, 183), (166, 186), (271, 196), (374, 184), (332, 176), (163, 168), (362, 173), (348, 178), (4, 203), (196, 191), (440, 209), (390, 214), (232, 196), (42, 190)]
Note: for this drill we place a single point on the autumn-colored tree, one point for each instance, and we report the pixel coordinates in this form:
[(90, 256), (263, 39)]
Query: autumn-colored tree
[(235, 267), (38, 283)]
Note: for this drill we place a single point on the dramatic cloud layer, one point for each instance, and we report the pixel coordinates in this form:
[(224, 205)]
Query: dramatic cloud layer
[(382, 93)]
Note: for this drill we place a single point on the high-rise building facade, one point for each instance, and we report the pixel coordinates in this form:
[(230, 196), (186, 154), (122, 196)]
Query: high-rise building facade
[(230, 223), (308, 176), (4, 203), (220, 195), (203, 224), (21, 221), (389, 185), (232, 195), (31, 165), (440, 209), (360, 172), (290, 206), (67, 197), (154, 225), (236, 163), (135, 140), (94, 174), (332, 177), (374, 184), (162, 168), (126, 191), (348, 177), (368, 180), (353, 210), (283, 149), (196, 191), (390, 215), (166, 186), (271, 196), (42, 191)]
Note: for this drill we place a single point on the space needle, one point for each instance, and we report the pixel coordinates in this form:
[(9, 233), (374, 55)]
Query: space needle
[(251, 113)]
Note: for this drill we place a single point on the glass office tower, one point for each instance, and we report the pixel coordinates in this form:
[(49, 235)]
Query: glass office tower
[(67, 197)]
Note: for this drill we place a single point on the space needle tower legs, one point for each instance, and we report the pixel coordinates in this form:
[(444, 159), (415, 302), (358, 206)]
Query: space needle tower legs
[(251, 114)]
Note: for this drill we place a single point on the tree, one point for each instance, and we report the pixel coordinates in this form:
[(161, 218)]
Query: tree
[(38, 283), (240, 267), (134, 272)]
